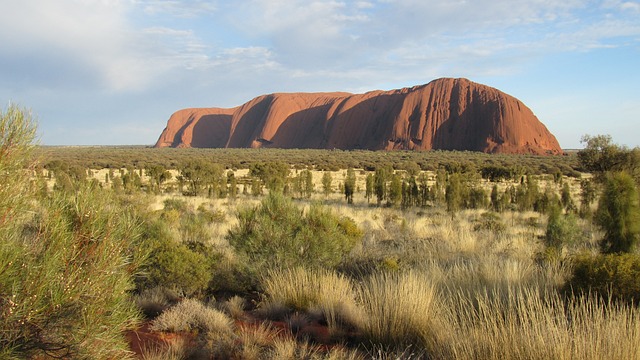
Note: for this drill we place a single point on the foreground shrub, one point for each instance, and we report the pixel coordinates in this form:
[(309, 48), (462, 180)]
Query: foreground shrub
[(65, 279), (279, 234), (615, 276), (66, 262)]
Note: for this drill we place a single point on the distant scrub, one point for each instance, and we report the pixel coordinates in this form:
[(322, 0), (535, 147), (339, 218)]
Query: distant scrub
[(493, 166)]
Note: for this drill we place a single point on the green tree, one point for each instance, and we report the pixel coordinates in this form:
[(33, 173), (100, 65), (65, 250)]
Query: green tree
[(618, 213), (273, 174), (17, 134), (477, 198), (233, 185), (587, 197), (157, 174), (395, 190), (453, 194), (424, 193), (380, 184), (369, 186), (350, 185), (199, 174), (256, 187), (495, 199), (601, 155), (308, 183), (440, 186), (561, 229), (565, 197), (327, 181)]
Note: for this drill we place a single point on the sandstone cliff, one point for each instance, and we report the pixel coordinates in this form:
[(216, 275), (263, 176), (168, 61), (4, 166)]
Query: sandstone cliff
[(445, 114)]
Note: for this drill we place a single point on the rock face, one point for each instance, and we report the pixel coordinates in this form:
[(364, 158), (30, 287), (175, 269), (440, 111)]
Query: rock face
[(445, 114)]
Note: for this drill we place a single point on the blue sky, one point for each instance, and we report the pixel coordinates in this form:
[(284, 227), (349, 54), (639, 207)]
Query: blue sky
[(111, 72)]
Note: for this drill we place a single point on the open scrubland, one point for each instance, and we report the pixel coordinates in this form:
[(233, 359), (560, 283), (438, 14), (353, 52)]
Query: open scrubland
[(254, 254)]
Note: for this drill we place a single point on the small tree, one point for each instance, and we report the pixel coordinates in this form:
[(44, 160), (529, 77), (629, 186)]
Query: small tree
[(273, 174), (561, 229), (308, 183), (369, 187), (350, 185), (453, 194), (618, 214), (395, 190), (587, 197), (327, 183), (233, 185), (157, 175), (380, 184), (565, 197), (495, 199)]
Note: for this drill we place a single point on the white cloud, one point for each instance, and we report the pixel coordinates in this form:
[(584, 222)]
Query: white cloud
[(179, 8)]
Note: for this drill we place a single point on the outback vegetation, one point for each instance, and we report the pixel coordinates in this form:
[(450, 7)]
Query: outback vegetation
[(312, 254)]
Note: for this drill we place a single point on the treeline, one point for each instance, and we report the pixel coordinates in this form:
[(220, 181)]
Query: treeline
[(330, 160)]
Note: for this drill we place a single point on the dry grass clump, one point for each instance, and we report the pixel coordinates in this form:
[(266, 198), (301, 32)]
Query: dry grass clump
[(234, 307), (153, 302), (256, 340), (175, 351), (399, 308), (318, 289), (527, 324), (191, 315)]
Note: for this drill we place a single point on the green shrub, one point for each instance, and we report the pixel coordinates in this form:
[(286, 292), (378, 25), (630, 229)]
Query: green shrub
[(618, 213), (613, 275), (562, 229), (279, 234), (172, 264), (66, 262), (66, 277), (490, 221)]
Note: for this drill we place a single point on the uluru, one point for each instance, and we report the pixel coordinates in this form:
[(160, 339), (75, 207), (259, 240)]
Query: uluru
[(445, 114)]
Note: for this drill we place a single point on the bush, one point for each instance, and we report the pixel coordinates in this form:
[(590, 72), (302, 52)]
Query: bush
[(491, 222), (66, 277), (66, 262), (618, 213), (561, 229), (614, 275), (172, 264), (279, 234)]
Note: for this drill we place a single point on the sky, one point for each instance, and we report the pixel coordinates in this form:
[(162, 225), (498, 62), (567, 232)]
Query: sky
[(111, 72)]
